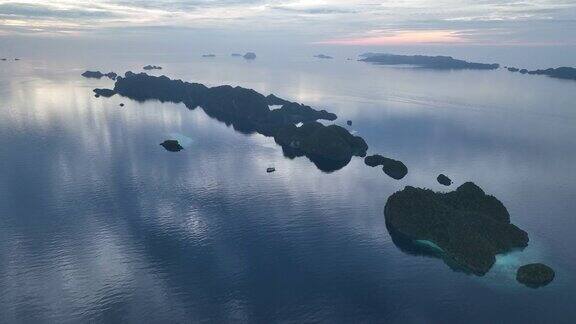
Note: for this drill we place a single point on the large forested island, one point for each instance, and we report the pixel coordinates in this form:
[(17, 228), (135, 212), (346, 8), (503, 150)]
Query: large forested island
[(469, 226), (329, 147)]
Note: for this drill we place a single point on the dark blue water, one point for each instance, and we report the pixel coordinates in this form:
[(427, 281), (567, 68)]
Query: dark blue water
[(99, 223)]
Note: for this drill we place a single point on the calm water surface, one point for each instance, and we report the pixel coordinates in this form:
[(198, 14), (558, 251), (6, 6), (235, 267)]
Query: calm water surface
[(99, 223)]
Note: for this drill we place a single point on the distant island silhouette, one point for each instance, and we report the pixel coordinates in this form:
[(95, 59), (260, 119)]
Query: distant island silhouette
[(323, 56), (152, 67), (566, 73), (247, 56), (250, 56), (99, 75), (423, 61), (450, 63)]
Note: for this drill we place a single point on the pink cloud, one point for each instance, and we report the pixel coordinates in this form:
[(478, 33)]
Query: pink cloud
[(401, 38)]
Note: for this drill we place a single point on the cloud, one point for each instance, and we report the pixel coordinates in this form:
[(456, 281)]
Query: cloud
[(325, 10), (41, 11), (402, 38), (327, 21)]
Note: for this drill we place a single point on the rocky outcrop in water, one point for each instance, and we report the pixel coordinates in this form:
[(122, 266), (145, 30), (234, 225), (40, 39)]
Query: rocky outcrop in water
[(152, 67), (172, 145), (374, 160), (99, 75), (393, 168), (429, 62), (104, 92), (535, 275), (444, 180), (250, 56), (323, 56), (93, 74), (469, 226), (247, 56)]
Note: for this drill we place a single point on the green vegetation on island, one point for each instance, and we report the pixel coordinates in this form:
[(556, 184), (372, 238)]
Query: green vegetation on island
[(535, 275), (469, 226)]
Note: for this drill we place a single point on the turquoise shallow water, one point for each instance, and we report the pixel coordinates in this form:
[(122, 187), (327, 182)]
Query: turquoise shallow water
[(99, 223)]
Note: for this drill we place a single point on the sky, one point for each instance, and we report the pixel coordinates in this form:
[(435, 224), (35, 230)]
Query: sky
[(333, 22)]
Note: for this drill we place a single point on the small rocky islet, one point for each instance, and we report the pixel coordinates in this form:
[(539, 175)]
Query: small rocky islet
[(107, 93), (152, 67), (393, 168), (99, 75), (250, 56), (535, 275), (444, 180), (247, 56), (172, 145)]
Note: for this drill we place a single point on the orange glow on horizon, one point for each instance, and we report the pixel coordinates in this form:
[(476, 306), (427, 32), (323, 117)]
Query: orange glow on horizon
[(401, 38)]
